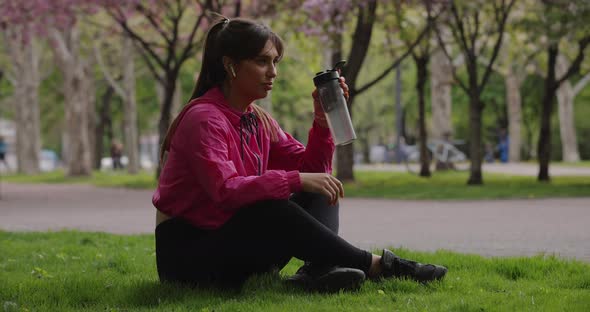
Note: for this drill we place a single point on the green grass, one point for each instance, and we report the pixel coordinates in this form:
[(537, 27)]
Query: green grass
[(71, 271), (452, 185), (143, 180), (583, 163), (395, 185)]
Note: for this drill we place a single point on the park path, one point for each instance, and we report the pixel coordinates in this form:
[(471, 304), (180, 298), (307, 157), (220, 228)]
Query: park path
[(491, 227)]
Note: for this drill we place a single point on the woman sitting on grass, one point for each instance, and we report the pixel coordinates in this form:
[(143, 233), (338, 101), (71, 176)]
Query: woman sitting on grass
[(238, 196)]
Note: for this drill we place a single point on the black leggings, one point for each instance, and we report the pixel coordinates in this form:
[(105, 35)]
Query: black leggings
[(257, 239)]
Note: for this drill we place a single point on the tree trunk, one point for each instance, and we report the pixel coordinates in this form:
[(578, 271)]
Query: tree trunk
[(421, 76), (130, 107), (475, 121), (440, 95), (475, 124), (514, 106), (165, 114), (177, 103), (565, 104), (25, 61), (544, 146), (92, 115), (104, 125), (76, 88)]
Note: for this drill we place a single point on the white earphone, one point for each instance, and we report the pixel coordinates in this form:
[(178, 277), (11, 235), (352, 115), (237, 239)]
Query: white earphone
[(233, 72)]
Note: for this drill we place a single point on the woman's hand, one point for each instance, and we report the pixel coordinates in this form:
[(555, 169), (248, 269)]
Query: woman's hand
[(322, 183), (319, 114)]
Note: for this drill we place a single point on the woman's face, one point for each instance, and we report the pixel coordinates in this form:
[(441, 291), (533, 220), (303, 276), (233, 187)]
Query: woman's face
[(254, 77)]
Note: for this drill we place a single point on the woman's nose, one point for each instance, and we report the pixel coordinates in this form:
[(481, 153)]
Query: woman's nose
[(272, 71)]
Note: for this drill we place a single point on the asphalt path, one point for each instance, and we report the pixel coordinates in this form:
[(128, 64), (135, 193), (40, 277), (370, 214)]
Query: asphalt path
[(490, 227)]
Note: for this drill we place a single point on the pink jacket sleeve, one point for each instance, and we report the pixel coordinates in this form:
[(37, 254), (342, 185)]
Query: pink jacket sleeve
[(290, 154), (207, 154)]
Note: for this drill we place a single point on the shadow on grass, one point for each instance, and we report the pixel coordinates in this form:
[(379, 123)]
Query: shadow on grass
[(152, 294)]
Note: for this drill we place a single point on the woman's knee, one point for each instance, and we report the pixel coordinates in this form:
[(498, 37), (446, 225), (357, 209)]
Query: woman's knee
[(308, 199), (269, 208)]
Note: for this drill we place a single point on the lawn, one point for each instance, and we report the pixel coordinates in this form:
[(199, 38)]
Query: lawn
[(447, 185), (71, 271)]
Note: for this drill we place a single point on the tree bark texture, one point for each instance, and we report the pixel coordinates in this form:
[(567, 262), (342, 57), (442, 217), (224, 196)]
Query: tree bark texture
[(422, 76), (475, 123), (565, 106), (544, 145), (130, 107), (105, 125), (165, 114), (440, 95), (76, 86), (475, 109), (514, 107), (25, 61)]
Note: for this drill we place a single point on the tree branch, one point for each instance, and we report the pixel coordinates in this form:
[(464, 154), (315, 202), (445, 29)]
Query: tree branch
[(150, 65), (107, 75), (144, 45), (462, 38), (150, 17), (395, 63), (476, 31), (60, 45), (575, 66), (581, 84), (442, 45), (191, 44), (361, 37), (501, 26)]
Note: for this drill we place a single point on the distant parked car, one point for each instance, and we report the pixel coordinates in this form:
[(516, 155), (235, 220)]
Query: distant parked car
[(48, 160)]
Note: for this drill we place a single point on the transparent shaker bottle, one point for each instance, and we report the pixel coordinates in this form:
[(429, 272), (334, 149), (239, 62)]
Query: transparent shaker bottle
[(334, 105)]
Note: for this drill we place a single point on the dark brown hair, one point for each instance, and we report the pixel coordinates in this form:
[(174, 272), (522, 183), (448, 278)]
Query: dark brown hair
[(239, 39)]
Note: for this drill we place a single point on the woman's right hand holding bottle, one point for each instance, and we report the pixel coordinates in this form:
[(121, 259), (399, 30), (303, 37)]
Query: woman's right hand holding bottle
[(322, 183)]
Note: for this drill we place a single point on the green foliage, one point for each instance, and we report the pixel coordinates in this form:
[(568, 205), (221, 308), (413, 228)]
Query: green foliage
[(72, 271)]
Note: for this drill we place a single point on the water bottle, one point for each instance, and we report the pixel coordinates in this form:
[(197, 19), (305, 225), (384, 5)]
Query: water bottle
[(334, 105)]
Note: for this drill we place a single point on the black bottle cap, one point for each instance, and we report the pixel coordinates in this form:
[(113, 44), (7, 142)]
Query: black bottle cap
[(330, 74), (325, 76)]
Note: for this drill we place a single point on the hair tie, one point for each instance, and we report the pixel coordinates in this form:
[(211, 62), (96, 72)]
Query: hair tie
[(225, 21)]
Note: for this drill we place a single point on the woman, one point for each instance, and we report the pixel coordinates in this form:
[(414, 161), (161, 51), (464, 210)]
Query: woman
[(238, 196)]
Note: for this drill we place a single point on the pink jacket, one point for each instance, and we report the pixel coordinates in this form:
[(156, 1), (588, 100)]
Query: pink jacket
[(206, 177)]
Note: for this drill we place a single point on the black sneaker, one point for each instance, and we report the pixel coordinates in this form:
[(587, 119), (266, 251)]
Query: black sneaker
[(394, 266), (327, 279)]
